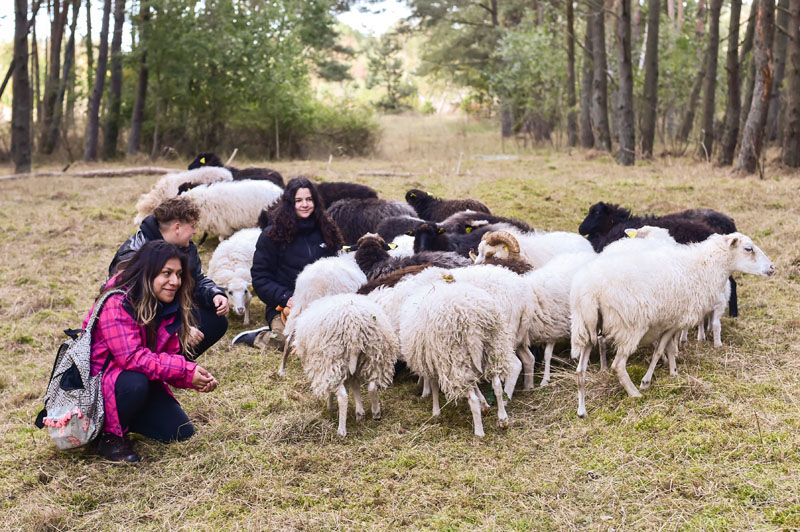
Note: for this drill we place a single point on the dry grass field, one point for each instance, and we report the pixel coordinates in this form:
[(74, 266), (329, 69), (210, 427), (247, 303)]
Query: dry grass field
[(716, 448)]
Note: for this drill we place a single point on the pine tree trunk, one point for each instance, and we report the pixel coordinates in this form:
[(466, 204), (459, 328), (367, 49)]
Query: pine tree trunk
[(688, 118), (776, 102), (791, 132), (89, 48), (59, 22), (572, 118), (733, 106), (34, 71), (587, 137), (93, 119), (749, 80), (707, 135), (626, 154), (21, 103), (134, 138), (599, 81), (753, 133), (50, 136), (650, 96), (111, 129)]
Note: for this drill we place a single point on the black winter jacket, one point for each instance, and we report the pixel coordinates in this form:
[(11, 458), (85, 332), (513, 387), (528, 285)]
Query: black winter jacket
[(204, 288), (275, 268)]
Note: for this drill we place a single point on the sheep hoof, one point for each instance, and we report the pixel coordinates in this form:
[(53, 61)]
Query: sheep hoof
[(377, 416), (582, 413), (485, 408), (502, 423), (359, 416), (425, 393), (479, 434), (544, 383), (342, 433), (636, 394), (644, 385)]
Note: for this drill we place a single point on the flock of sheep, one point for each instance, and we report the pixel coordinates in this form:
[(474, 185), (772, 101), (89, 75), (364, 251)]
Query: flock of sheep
[(461, 295)]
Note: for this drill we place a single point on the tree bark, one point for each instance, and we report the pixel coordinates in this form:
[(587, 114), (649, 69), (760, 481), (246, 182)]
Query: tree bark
[(89, 50), (791, 132), (21, 103), (35, 83), (753, 134), (53, 82), (626, 154), (776, 102), (688, 118), (587, 137), (650, 96), (707, 139), (135, 136), (747, 47), (93, 120), (50, 136), (111, 129), (599, 81), (572, 119), (733, 106)]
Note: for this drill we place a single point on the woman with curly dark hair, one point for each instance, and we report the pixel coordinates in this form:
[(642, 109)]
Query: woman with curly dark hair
[(299, 232)]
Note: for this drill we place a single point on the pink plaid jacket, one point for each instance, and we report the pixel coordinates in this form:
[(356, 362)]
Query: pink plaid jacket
[(118, 334)]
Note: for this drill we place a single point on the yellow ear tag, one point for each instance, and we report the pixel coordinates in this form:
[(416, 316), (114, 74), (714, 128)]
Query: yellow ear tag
[(468, 229), (392, 245), (631, 233), (202, 160), (346, 248), (505, 248), (448, 278)]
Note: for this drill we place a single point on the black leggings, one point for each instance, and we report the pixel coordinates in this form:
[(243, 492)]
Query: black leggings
[(212, 326), (144, 406)]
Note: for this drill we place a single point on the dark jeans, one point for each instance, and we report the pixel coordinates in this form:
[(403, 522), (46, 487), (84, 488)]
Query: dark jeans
[(212, 326), (144, 406)]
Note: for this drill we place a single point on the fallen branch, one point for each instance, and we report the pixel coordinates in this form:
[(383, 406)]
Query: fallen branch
[(119, 172), (397, 174)]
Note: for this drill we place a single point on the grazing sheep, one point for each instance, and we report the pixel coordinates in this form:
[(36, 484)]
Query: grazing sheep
[(229, 267), (394, 226), (346, 340), (535, 248), (650, 296), (227, 207), (454, 335), (208, 159), (606, 223), (168, 185), (467, 221), (372, 256), (336, 190), (436, 209), (356, 217)]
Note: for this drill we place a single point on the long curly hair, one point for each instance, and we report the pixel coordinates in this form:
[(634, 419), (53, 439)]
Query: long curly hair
[(137, 276), (283, 219)]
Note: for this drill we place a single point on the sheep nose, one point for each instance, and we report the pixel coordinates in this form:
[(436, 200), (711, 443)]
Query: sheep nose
[(771, 270), (239, 310)]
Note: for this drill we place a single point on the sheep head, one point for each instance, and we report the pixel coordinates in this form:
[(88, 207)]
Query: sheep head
[(205, 159), (498, 244), (239, 296), (746, 257), (430, 237)]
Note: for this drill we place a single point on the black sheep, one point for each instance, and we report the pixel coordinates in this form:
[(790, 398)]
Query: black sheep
[(467, 221), (394, 226), (211, 159), (432, 237), (606, 223), (372, 256), (356, 217), (436, 209), (336, 190)]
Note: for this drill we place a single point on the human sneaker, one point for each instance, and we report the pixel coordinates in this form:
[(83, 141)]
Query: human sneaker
[(115, 448), (248, 337)]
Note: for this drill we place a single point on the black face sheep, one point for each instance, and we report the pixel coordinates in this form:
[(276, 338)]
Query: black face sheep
[(606, 223), (467, 221), (336, 190), (430, 236), (211, 159), (437, 209), (394, 226), (372, 256), (356, 217)]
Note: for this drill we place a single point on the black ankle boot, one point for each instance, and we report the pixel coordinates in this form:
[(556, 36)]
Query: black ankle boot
[(115, 448)]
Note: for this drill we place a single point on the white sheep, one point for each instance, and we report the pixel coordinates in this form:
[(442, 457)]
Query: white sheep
[(227, 207), (454, 335), (346, 340), (650, 296), (229, 268), (167, 187), (535, 248)]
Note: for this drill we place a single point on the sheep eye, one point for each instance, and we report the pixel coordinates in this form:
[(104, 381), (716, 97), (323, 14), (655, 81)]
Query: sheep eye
[(748, 249)]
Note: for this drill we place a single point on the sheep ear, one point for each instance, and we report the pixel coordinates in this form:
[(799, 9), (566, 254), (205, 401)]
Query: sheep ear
[(733, 241), (441, 231), (631, 233), (202, 160), (468, 229)]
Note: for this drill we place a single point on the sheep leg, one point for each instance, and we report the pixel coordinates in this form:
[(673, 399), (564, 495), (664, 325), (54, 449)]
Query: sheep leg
[(672, 351), (284, 359), (484, 405), (716, 324), (515, 367), (583, 362), (548, 355), (475, 406), (701, 330), (355, 389), (330, 402), (502, 415), (426, 386), (341, 397), (374, 403), (528, 362), (621, 360), (601, 347), (246, 320), (657, 354), (434, 383), (684, 336)]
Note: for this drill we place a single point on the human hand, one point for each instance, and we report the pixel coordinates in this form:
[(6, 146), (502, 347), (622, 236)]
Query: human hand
[(195, 336), (203, 380), (221, 304)]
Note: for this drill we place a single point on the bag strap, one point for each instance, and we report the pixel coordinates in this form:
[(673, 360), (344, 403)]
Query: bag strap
[(98, 306)]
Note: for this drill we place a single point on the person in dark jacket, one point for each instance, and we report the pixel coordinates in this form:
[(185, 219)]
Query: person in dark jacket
[(299, 232), (175, 221)]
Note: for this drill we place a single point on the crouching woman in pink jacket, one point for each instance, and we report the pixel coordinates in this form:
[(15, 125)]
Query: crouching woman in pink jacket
[(140, 335)]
